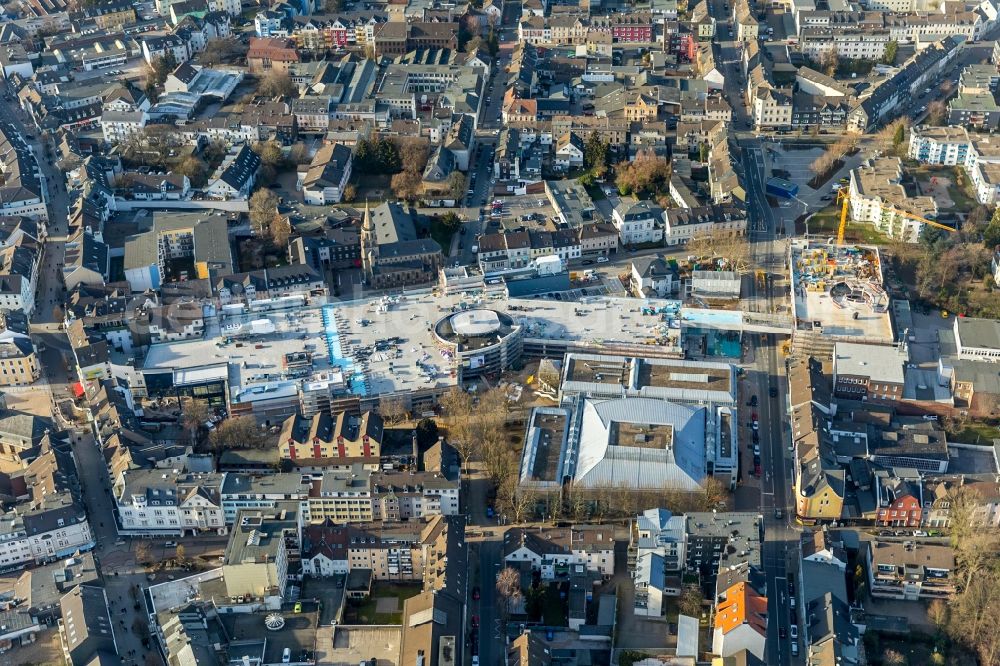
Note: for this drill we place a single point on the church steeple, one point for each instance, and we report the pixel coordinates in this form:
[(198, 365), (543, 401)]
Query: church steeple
[(368, 244)]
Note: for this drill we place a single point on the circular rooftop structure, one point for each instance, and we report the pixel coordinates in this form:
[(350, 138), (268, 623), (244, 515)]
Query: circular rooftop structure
[(274, 622), (473, 323), (475, 331)]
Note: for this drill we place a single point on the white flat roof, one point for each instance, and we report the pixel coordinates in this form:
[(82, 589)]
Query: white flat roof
[(475, 322)]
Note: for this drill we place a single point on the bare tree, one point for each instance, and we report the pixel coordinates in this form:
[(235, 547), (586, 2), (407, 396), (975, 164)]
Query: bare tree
[(195, 414), (936, 113), (714, 493), (893, 658), (513, 501), (457, 407), (239, 432), (143, 553), (828, 61), (392, 409), (963, 509), (937, 613), (970, 623), (279, 230), (731, 247), (577, 505), (508, 592), (180, 553), (691, 601), (406, 185), (263, 208), (276, 84)]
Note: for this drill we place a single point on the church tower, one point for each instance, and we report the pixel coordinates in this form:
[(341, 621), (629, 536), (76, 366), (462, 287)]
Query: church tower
[(369, 244)]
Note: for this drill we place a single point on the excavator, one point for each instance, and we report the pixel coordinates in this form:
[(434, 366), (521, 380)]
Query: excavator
[(845, 202)]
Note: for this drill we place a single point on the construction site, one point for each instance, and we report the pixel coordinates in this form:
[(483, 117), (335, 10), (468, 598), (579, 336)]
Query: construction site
[(839, 294)]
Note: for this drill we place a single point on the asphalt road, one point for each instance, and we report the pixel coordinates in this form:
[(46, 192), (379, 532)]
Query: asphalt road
[(780, 537), (114, 560), (491, 635)]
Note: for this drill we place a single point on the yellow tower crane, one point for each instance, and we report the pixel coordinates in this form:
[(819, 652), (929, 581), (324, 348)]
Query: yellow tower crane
[(845, 202)]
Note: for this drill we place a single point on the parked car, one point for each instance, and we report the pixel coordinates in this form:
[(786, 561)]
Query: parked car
[(794, 630), (773, 392), (603, 260)]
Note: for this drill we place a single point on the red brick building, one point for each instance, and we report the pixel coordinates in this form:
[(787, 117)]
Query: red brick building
[(634, 27), (899, 501)]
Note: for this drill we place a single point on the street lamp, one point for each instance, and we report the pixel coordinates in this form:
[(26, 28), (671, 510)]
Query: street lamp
[(805, 210)]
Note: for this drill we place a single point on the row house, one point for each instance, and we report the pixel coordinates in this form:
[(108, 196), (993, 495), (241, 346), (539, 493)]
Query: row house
[(331, 437), (923, 67), (355, 493), (899, 500), (681, 225), (517, 249), (557, 553), (940, 494), (626, 27), (568, 30), (534, 30), (331, 32), (391, 551), (51, 522), (564, 243)]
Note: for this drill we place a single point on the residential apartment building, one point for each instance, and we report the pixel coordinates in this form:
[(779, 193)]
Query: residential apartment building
[(412, 551), (877, 197), (169, 502), (246, 491), (685, 224), (324, 181), (52, 522), (330, 438), (23, 191), (740, 622), (638, 222), (271, 53), (357, 494), (656, 558), (19, 276), (557, 553), (19, 364), (109, 15), (909, 570)]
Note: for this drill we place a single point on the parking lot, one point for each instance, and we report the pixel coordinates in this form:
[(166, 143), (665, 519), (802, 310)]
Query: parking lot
[(532, 211)]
